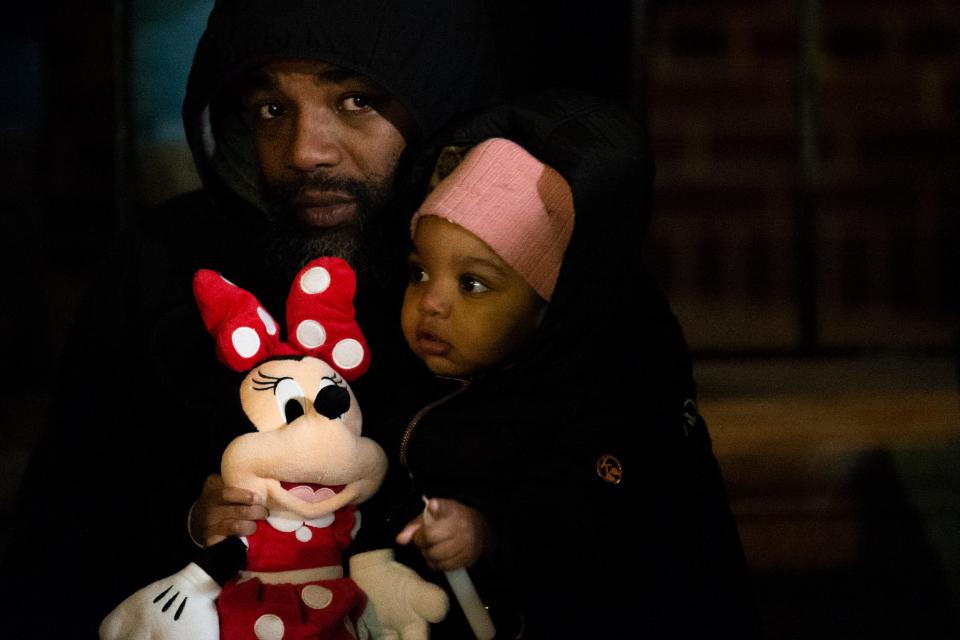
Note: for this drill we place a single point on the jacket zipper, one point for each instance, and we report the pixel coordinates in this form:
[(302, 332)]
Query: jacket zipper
[(412, 426)]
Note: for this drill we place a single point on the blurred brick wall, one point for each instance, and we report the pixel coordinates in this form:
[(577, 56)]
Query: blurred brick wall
[(882, 217)]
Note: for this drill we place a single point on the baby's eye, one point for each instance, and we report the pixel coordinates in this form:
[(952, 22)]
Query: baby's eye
[(470, 284), (417, 274), (356, 102)]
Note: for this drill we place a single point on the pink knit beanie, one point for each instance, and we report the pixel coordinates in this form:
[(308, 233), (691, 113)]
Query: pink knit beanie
[(519, 206)]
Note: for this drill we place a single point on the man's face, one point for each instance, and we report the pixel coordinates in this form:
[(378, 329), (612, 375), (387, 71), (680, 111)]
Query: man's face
[(328, 142)]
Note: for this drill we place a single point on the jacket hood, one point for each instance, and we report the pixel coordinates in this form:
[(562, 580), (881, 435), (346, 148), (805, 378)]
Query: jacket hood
[(435, 56)]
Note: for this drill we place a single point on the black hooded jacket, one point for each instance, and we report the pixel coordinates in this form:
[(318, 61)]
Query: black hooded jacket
[(585, 451), (142, 408)]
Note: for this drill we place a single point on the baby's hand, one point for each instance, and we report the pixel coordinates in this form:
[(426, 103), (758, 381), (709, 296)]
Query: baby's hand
[(456, 538), (223, 511)]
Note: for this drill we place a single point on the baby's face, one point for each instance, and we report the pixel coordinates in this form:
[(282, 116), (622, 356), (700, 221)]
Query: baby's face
[(465, 310)]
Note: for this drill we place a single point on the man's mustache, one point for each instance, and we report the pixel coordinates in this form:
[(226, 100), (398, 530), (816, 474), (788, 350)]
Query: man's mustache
[(318, 181)]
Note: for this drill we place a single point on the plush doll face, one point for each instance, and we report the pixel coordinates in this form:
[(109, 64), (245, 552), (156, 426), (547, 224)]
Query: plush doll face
[(277, 392), (307, 439)]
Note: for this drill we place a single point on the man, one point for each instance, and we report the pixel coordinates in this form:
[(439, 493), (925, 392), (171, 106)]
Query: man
[(304, 118)]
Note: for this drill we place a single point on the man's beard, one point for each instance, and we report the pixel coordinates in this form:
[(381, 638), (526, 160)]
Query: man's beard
[(296, 243)]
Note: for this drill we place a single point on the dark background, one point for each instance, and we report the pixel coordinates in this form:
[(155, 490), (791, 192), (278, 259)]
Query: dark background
[(806, 229)]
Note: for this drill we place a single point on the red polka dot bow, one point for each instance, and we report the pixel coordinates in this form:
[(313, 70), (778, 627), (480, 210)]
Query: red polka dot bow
[(320, 319)]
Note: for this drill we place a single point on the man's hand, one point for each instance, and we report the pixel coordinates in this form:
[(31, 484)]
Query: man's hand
[(456, 538), (223, 511)]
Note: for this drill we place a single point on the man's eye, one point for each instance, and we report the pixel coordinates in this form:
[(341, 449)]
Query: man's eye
[(469, 284), (356, 102), (417, 274), (269, 111)]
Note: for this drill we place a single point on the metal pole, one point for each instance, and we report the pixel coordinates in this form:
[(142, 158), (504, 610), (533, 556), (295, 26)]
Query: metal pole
[(808, 176), (122, 154)]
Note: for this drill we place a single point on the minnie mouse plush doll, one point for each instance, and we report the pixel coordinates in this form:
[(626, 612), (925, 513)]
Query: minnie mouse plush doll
[(305, 456)]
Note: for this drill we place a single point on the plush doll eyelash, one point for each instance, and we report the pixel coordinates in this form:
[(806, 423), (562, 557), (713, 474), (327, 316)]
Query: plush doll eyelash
[(335, 379), (269, 384)]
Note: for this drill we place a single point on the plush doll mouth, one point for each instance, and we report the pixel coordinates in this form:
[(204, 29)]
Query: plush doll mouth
[(310, 492)]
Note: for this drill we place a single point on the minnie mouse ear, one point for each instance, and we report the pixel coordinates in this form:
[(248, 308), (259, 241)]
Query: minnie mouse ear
[(320, 317), (244, 332)]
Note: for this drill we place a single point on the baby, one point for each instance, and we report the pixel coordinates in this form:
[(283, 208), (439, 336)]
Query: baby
[(488, 244)]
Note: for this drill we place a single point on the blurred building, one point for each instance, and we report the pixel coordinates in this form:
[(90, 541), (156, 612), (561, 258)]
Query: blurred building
[(808, 161)]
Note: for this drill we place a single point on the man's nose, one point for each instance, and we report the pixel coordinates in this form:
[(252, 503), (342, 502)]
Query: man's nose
[(316, 141)]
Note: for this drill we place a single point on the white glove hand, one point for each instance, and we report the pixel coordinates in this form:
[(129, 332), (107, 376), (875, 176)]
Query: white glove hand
[(180, 607), (400, 603)]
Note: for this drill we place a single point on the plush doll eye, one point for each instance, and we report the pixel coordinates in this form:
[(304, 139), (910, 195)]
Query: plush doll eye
[(292, 410), (332, 400), (290, 399)]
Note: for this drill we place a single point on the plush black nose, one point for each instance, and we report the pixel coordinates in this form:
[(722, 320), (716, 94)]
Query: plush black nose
[(332, 401)]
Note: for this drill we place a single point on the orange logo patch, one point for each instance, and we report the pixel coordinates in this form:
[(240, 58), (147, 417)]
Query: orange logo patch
[(609, 469)]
